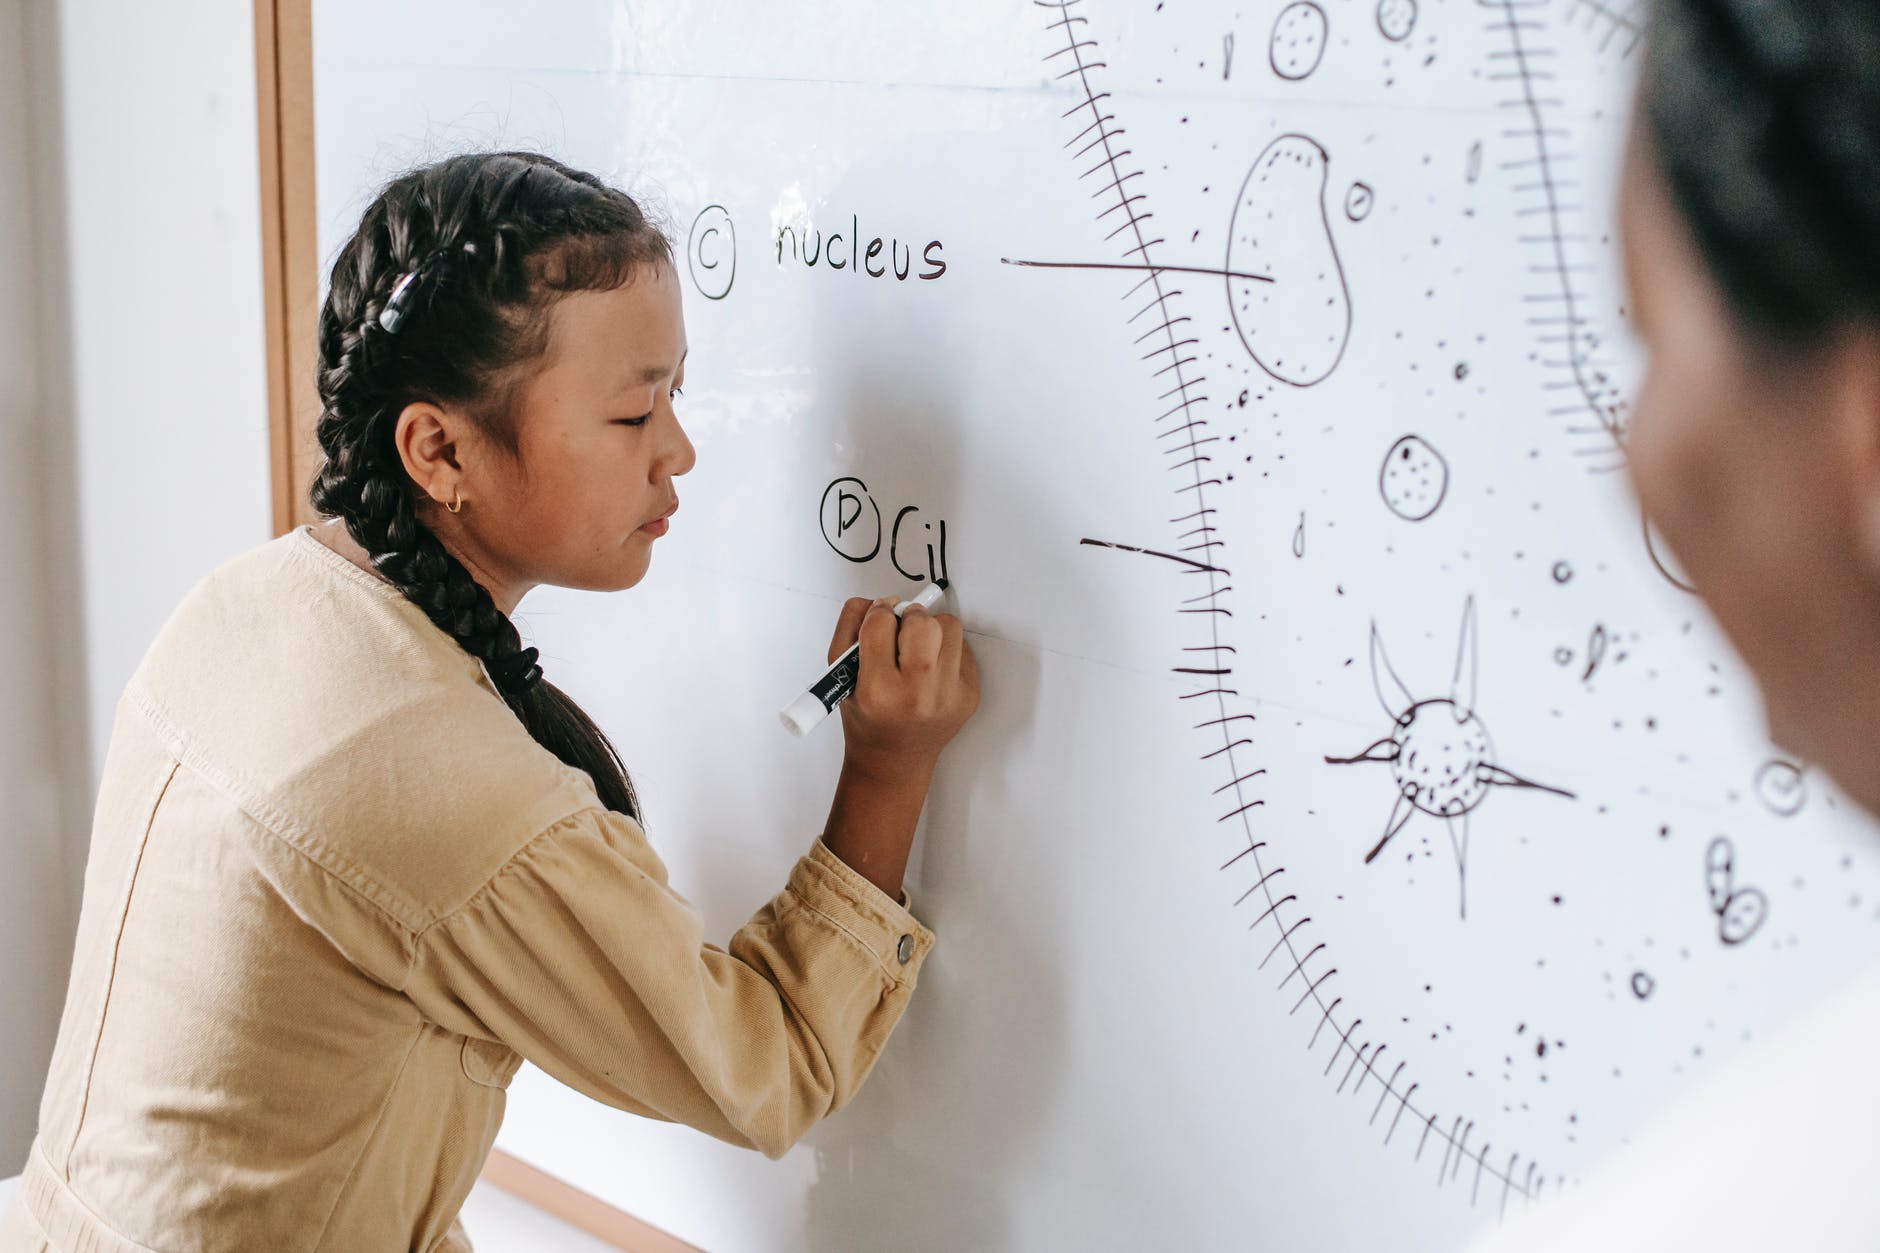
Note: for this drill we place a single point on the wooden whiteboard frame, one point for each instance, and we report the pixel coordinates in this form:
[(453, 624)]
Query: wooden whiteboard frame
[(290, 300)]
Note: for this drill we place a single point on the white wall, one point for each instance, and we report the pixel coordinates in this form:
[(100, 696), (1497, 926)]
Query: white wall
[(163, 265), (132, 412)]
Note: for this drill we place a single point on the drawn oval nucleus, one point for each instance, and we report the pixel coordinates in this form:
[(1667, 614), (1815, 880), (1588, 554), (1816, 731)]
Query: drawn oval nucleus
[(1413, 479), (1396, 19), (1286, 288), (1298, 41), (1358, 201)]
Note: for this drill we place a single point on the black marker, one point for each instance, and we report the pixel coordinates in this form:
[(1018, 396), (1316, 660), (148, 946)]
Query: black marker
[(802, 714)]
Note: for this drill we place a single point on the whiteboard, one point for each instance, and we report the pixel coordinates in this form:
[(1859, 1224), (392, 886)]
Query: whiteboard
[(1362, 829)]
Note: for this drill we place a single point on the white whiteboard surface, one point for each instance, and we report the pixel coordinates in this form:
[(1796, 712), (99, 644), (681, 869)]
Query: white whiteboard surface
[(1171, 1003)]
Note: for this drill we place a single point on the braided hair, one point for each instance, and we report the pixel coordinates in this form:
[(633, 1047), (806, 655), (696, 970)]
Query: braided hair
[(1765, 120), (443, 295)]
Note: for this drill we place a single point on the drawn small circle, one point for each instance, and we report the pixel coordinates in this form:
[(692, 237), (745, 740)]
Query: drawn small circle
[(1413, 479), (1298, 41), (711, 252), (1563, 572), (843, 525), (1780, 786), (1359, 201), (1563, 656), (1643, 985), (1396, 19)]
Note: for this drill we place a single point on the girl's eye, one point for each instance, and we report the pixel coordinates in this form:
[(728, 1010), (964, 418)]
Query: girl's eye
[(641, 420)]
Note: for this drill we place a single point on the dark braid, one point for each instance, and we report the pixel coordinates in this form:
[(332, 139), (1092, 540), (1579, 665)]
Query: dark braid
[(494, 239), (1765, 119)]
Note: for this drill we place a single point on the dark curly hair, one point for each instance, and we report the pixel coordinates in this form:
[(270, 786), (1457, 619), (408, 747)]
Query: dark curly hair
[(494, 240), (1765, 120)]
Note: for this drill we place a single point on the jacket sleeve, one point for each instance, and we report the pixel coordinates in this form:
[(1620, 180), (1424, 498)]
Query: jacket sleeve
[(580, 957)]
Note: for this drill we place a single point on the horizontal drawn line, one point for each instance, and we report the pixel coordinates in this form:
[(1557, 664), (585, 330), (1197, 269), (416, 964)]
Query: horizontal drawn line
[(1150, 552), (1215, 722), (1118, 265)]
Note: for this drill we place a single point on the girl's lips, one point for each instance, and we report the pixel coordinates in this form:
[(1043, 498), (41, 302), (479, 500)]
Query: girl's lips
[(658, 525)]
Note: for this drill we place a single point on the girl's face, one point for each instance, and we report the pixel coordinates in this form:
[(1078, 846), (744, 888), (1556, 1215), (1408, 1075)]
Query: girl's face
[(1761, 471), (599, 441)]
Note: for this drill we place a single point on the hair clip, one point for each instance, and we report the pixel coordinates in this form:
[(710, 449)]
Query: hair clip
[(392, 316), (394, 311)]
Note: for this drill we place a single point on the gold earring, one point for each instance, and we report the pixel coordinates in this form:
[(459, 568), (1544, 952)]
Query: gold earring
[(456, 501)]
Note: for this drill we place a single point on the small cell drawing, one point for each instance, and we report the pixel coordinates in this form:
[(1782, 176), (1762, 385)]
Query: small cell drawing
[(1396, 19), (1595, 651), (1359, 201), (1643, 984), (1414, 478), (1740, 911), (1296, 323), (1298, 42), (1780, 787), (1441, 759)]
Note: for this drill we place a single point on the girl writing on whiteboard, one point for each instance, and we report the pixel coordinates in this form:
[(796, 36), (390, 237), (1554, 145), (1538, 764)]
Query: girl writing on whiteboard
[(1750, 210), (354, 857)]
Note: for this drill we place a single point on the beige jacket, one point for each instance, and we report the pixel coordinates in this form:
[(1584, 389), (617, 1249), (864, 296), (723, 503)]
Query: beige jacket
[(336, 893)]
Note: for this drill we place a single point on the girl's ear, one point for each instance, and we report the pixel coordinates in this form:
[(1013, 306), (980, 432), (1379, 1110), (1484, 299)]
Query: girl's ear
[(426, 439)]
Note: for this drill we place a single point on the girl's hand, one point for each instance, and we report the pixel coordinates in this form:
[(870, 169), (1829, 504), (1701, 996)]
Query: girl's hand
[(917, 683)]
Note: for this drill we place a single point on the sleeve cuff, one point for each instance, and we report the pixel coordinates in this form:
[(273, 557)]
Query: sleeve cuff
[(887, 929)]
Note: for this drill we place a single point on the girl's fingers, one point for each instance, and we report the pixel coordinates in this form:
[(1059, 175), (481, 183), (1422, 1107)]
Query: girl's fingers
[(877, 638), (952, 643), (848, 625), (919, 641)]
